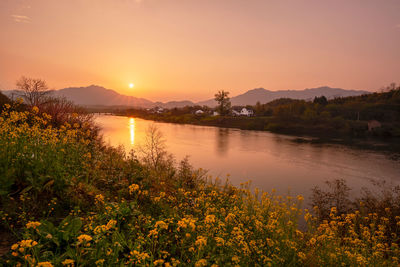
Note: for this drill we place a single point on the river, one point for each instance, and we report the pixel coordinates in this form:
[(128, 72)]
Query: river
[(270, 161)]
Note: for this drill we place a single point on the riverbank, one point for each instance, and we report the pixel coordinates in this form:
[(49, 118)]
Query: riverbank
[(315, 134)]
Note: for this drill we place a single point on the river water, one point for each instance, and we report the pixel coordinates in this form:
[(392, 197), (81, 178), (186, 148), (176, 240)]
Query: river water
[(270, 161)]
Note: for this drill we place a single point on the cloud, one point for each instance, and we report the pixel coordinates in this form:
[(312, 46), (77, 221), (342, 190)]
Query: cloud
[(21, 18)]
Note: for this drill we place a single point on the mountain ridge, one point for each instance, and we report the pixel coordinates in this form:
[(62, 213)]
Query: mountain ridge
[(95, 95), (251, 97)]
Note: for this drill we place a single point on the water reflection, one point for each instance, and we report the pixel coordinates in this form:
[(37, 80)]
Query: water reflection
[(222, 141), (269, 160), (132, 130)]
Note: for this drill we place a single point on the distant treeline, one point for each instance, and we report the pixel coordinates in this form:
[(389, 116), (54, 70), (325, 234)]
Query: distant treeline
[(375, 114)]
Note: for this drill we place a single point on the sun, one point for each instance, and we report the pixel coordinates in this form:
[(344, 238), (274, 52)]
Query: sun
[(131, 85)]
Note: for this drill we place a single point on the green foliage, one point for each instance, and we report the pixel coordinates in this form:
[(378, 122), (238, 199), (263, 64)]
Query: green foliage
[(381, 201), (111, 209), (224, 104)]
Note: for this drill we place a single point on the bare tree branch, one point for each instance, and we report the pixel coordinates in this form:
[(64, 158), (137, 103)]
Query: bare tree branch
[(34, 91)]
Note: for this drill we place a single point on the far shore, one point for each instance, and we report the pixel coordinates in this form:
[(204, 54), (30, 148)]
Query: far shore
[(313, 137)]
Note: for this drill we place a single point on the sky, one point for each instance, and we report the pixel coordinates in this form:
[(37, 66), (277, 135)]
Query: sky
[(189, 49)]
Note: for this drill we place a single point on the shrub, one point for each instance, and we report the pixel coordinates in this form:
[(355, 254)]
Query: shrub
[(110, 209)]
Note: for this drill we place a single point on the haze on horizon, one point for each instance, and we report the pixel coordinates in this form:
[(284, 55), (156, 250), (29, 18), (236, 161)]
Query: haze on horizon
[(187, 49)]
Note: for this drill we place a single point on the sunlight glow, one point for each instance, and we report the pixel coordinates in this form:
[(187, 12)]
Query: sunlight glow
[(132, 130), (131, 85)]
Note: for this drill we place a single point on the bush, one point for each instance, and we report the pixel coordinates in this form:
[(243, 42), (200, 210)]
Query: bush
[(111, 209)]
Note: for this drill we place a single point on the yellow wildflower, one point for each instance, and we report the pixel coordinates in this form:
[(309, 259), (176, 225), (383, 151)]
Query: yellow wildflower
[(84, 238), (158, 262), (139, 256), (230, 217), (312, 241), (201, 241), (99, 199), (68, 262), (210, 219), (27, 243), (133, 188), (235, 259), (99, 262), (185, 223), (153, 232), (111, 224), (201, 263), (301, 255), (33, 225), (220, 241), (161, 225), (45, 264)]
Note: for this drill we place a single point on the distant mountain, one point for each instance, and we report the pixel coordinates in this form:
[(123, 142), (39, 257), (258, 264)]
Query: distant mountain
[(94, 95), (97, 95), (264, 96), (174, 104)]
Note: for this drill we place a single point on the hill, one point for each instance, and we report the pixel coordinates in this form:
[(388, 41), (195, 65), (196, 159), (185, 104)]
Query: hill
[(95, 95), (262, 95)]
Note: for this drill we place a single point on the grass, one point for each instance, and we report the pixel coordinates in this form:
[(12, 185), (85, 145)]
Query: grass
[(72, 201)]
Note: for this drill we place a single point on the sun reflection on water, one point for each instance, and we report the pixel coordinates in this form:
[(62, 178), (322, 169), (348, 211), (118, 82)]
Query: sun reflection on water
[(132, 130)]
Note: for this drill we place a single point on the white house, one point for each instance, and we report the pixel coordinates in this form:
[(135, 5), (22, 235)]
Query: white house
[(235, 113), (199, 112), (159, 110), (215, 113), (246, 112)]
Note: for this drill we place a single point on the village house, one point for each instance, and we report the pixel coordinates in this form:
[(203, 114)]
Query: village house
[(199, 112), (246, 112), (235, 112)]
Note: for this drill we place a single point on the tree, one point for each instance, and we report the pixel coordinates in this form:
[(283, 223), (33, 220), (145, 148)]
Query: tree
[(63, 110), (224, 104), (34, 91), (153, 149), (320, 100), (259, 109)]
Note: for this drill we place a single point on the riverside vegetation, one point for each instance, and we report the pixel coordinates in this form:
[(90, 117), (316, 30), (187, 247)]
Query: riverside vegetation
[(342, 117), (70, 200)]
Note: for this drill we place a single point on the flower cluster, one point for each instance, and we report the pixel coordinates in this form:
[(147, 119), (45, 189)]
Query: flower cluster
[(149, 218)]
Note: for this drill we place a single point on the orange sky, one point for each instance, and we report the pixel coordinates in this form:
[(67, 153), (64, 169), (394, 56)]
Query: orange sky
[(184, 49)]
